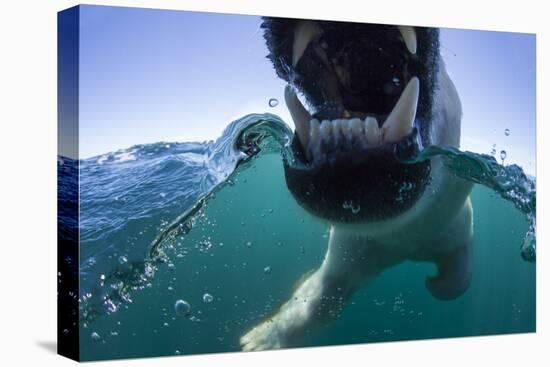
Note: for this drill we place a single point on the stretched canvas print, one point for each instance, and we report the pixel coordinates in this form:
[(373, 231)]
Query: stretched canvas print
[(245, 183)]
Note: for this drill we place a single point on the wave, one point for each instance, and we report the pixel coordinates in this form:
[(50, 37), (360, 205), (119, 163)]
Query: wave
[(135, 203)]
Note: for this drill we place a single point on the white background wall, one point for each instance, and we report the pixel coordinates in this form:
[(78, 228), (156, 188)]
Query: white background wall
[(28, 182)]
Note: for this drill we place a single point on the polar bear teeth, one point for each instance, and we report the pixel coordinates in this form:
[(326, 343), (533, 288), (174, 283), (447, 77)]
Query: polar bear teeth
[(342, 134), (409, 37), (319, 138)]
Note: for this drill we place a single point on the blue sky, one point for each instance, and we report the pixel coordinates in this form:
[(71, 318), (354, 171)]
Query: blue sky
[(156, 75)]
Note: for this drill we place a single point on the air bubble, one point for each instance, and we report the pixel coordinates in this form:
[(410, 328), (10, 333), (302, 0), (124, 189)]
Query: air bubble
[(267, 270), (207, 298), (182, 308), (273, 102), (111, 306), (95, 337), (507, 132), (502, 155), (348, 204)]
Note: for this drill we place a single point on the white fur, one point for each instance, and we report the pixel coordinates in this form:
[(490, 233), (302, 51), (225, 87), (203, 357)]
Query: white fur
[(438, 228)]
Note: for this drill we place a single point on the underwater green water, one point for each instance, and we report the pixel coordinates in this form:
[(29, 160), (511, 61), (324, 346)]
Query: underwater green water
[(250, 245)]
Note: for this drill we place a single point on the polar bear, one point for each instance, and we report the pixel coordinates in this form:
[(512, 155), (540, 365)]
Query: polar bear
[(374, 92)]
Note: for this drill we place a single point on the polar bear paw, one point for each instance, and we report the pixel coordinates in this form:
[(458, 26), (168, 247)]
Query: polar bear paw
[(264, 336)]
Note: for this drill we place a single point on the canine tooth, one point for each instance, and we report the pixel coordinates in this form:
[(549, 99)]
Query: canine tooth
[(409, 36), (299, 114), (400, 121), (304, 33), (372, 131)]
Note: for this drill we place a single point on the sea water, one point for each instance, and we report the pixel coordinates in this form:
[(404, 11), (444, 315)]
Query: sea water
[(186, 246)]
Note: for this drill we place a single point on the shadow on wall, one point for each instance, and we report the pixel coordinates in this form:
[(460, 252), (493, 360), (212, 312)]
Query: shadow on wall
[(48, 345)]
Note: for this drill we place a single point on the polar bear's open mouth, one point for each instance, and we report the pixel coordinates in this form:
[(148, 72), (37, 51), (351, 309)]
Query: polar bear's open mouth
[(369, 92), (363, 106)]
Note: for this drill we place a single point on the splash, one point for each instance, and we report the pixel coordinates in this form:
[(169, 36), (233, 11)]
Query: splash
[(203, 169), (510, 182)]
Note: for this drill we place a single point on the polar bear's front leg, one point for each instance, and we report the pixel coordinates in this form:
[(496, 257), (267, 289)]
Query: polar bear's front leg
[(293, 319), (349, 261), (452, 255)]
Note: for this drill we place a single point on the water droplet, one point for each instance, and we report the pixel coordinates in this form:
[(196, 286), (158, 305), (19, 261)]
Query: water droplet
[(207, 298), (507, 132), (273, 102), (267, 270), (249, 244), (503, 155), (95, 337), (182, 308)]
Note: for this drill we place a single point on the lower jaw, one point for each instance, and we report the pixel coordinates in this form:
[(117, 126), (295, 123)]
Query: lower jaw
[(358, 186)]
